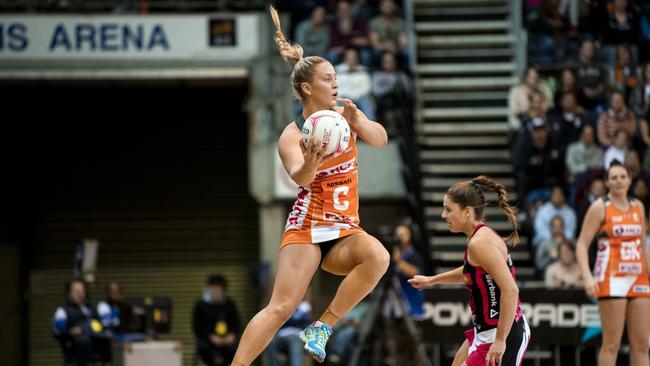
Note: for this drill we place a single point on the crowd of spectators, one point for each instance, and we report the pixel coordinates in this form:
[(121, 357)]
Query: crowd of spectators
[(368, 47), (584, 104), (89, 334)]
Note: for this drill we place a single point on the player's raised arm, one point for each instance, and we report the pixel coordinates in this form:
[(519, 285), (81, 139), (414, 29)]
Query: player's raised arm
[(369, 131)]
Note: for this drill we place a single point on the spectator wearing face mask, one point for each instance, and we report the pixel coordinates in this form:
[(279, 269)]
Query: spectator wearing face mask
[(216, 323)]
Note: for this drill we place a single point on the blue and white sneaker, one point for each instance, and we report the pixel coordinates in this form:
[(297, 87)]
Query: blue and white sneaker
[(306, 334), (316, 343)]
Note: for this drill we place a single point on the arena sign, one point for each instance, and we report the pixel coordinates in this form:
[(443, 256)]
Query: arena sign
[(555, 316), (195, 37)]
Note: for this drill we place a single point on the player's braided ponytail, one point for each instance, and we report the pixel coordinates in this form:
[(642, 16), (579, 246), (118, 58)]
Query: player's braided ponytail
[(470, 194), (304, 68)]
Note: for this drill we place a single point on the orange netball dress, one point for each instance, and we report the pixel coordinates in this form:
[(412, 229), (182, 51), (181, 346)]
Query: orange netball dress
[(329, 208), (620, 268)]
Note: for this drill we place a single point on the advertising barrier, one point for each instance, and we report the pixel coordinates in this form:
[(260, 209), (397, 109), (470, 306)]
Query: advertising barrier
[(556, 317), (218, 37)]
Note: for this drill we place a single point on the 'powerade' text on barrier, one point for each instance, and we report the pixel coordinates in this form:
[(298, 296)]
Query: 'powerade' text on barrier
[(555, 316), (564, 315)]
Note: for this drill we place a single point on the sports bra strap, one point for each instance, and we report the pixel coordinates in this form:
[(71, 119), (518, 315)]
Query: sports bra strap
[(300, 120), (478, 226)]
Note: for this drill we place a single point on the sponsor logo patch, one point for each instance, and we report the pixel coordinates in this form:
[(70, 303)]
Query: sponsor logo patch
[(641, 288)]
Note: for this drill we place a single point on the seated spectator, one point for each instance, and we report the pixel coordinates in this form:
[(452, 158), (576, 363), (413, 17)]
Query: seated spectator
[(557, 206), (391, 88), (634, 167), (301, 10), (537, 107), (566, 272), (536, 112), (597, 189), (583, 154), (566, 121), (389, 80), (111, 309), (216, 324), (617, 150), (621, 25), (617, 117), (362, 10), (388, 33), (347, 31), (313, 34), (547, 251), (354, 80), (639, 190), (112, 312), (75, 325), (568, 85), (623, 75), (539, 164), (286, 339), (520, 96), (591, 76)]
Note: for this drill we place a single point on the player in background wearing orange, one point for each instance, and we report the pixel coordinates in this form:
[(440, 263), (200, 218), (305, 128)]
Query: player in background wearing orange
[(501, 334), (620, 278), (323, 226)]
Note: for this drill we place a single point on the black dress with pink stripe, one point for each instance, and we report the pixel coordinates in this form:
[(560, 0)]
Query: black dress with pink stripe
[(485, 303)]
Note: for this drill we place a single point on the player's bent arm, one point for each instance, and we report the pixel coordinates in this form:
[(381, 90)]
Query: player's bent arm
[(592, 221), (453, 277), (491, 259), (292, 157), (371, 132)]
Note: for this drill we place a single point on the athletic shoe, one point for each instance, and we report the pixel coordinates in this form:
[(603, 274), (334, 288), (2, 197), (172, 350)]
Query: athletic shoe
[(316, 343)]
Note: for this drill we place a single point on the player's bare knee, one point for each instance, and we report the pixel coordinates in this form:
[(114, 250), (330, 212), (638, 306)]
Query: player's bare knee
[(385, 259), (380, 259), (611, 346), (282, 310), (639, 345)]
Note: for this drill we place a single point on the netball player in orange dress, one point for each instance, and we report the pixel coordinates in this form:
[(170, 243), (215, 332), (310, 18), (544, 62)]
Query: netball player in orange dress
[(620, 277), (323, 226)]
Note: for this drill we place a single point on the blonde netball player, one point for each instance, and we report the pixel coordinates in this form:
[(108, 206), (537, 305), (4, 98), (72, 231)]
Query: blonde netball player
[(323, 226), (620, 278), (500, 335)]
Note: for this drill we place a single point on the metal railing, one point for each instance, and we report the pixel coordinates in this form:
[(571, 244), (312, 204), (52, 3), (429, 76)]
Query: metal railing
[(520, 32)]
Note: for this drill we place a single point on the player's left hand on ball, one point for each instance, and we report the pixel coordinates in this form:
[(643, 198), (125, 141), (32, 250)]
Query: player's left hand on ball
[(350, 112)]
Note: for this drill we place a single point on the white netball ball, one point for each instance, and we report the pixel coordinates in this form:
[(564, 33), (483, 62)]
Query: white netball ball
[(328, 128)]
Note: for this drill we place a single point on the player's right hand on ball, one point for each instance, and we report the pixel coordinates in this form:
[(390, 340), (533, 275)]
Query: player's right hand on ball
[(314, 154), (421, 282)]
